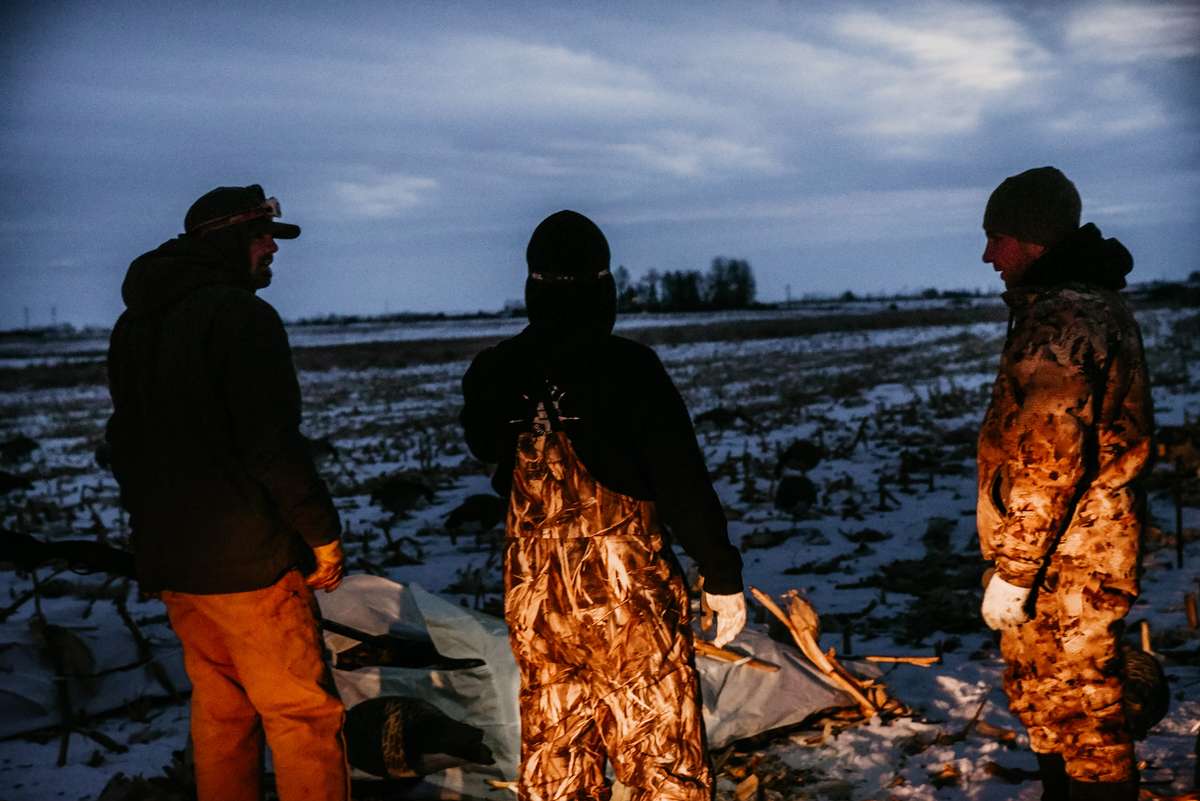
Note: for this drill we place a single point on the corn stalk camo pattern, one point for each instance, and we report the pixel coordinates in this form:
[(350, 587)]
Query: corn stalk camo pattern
[(1066, 435), (598, 618)]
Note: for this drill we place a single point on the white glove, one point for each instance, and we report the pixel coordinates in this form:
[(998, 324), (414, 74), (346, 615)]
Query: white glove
[(1004, 604), (731, 615)]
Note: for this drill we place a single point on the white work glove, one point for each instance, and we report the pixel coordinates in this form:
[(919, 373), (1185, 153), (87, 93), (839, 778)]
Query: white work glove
[(1004, 604), (331, 563), (731, 615)]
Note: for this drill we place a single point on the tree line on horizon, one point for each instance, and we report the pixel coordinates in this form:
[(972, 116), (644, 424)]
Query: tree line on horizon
[(728, 284)]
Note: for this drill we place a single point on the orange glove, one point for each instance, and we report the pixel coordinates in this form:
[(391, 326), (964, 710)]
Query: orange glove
[(331, 565)]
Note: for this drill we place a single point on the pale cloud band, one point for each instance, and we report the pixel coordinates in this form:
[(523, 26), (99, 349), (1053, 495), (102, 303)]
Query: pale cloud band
[(1133, 32), (383, 196)]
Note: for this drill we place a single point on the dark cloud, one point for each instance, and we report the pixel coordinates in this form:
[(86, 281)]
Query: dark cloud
[(848, 147)]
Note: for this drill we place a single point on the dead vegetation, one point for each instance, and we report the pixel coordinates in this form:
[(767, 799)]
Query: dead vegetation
[(390, 447)]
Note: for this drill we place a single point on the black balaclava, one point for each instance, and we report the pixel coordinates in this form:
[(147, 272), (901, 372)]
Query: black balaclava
[(570, 294)]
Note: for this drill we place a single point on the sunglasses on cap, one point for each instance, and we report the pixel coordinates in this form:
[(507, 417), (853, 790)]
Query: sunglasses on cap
[(269, 209)]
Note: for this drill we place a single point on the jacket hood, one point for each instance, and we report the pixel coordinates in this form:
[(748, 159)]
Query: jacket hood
[(1084, 257), (171, 271)]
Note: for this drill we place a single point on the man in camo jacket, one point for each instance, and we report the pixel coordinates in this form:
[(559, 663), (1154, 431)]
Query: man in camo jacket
[(1067, 434)]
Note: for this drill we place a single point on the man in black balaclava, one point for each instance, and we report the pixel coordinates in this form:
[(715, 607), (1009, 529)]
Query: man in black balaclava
[(1064, 440), (226, 509), (599, 462)]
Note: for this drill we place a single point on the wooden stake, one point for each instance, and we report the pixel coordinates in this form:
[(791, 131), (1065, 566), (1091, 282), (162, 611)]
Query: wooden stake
[(1145, 627), (1178, 515), (1196, 771), (747, 789), (985, 729), (974, 721), (497, 784), (1189, 605), (923, 661), (706, 648)]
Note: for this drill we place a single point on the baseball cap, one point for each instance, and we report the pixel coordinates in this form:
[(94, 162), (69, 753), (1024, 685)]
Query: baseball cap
[(233, 205)]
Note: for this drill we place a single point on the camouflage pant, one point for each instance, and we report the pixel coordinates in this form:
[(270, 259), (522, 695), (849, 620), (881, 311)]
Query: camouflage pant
[(598, 622), (1064, 676)]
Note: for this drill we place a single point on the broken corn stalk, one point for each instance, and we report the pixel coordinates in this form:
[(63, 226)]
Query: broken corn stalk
[(706, 648), (802, 624)]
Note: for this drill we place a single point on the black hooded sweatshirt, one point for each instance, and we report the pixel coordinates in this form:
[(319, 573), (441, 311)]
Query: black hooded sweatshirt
[(221, 491), (618, 407), (1084, 257)]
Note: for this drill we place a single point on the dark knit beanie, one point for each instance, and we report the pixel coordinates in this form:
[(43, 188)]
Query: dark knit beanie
[(565, 246), (1040, 206)]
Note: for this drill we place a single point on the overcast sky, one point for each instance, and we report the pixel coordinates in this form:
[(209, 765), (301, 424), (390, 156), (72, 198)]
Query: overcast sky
[(835, 146)]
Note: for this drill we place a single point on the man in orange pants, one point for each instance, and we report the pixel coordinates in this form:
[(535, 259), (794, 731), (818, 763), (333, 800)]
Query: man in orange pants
[(225, 506), (598, 458)]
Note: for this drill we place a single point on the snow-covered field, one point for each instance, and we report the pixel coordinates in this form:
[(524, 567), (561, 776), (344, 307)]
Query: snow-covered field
[(887, 554), (90, 345)]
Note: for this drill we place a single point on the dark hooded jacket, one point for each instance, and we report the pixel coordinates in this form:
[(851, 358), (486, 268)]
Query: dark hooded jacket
[(219, 485), (618, 407), (1068, 431)]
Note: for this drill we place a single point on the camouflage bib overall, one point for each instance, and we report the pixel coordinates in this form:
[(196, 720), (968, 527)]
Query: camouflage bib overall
[(598, 623)]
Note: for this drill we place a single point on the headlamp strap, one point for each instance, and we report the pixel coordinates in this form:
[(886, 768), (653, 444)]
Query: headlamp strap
[(268, 208)]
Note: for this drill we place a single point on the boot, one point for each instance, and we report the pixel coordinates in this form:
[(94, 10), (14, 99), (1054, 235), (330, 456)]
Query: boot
[(1054, 777), (1104, 791)]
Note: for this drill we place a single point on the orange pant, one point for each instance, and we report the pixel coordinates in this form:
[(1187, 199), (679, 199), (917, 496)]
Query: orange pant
[(255, 660)]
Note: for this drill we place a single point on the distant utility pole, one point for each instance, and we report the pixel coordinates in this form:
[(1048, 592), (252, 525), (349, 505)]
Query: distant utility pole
[(788, 288), (26, 318), (53, 316)]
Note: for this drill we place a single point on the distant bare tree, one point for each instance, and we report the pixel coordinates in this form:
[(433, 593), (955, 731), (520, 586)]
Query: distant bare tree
[(682, 290), (730, 284), (627, 291)]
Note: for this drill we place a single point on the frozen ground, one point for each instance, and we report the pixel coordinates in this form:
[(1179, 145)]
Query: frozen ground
[(48, 348), (895, 410)]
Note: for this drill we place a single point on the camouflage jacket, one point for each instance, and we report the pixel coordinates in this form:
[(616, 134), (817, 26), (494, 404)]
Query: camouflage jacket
[(1066, 434)]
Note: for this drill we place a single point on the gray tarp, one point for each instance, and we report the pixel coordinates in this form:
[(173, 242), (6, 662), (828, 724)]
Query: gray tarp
[(738, 701), (28, 690)]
